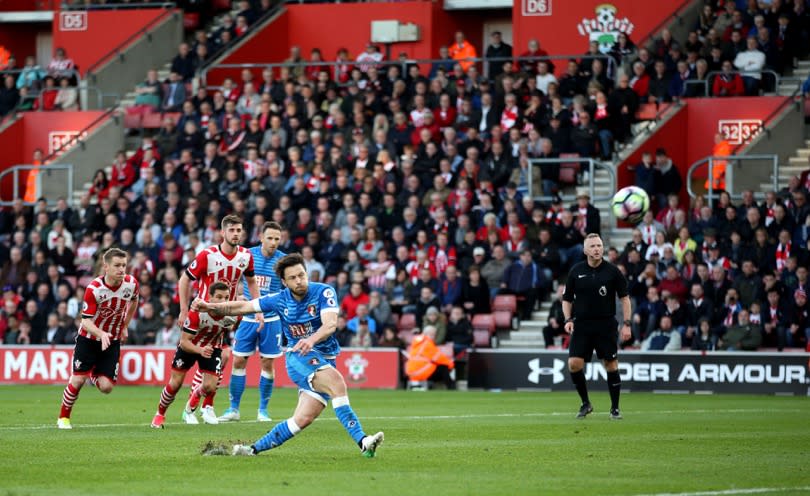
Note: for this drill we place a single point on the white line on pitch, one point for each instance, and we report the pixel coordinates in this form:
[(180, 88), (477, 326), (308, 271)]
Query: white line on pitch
[(724, 492), (440, 417)]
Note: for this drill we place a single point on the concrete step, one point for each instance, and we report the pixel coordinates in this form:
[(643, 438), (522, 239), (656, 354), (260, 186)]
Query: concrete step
[(529, 344), (526, 335), (803, 152), (797, 161)]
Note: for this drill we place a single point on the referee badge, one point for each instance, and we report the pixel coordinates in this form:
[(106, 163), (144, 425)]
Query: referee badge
[(603, 291)]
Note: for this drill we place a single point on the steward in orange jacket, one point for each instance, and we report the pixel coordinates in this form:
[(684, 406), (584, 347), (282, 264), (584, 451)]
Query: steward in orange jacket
[(462, 51), (721, 148), (424, 358)]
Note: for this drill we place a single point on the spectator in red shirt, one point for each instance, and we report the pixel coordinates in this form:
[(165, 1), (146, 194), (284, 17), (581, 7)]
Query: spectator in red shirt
[(728, 83), (356, 296), (673, 284)]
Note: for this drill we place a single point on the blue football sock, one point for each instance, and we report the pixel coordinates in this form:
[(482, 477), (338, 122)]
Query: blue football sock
[(346, 415), (282, 432), (237, 387), (265, 389)]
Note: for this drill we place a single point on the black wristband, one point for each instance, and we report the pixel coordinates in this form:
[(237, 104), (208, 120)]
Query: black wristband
[(569, 319), (627, 322)]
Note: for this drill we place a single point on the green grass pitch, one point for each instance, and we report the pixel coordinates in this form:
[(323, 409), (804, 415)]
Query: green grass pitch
[(437, 443)]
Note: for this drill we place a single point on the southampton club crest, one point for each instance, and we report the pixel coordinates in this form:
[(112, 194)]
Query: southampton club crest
[(603, 291), (312, 311), (356, 366), (605, 27)]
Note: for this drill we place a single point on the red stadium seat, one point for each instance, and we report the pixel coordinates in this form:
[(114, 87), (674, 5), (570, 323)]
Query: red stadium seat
[(191, 21), (481, 339), (407, 322), (85, 280), (447, 349), (569, 170), (406, 336), (649, 111), (503, 319), (72, 280), (505, 302), (132, 121), (152, 120), (484, 321)]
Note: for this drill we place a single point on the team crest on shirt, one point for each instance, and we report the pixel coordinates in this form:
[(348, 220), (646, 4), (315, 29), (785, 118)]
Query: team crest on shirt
[(312, 311), (357, 368), (242, 264), (127, 294), (603, 291), (193, 265), (313, 361), (328, 293)]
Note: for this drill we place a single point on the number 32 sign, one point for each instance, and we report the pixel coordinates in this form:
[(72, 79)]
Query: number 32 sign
[(739, 131)]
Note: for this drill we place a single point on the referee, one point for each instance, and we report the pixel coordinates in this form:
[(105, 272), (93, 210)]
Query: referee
[(589, 307)]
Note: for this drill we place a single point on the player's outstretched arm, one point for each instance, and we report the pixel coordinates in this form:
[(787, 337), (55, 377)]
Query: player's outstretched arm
[(226, 308), (253, 288)]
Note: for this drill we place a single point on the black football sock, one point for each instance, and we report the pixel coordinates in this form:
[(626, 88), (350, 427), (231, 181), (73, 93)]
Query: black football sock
[(615, 388), (582, 388)]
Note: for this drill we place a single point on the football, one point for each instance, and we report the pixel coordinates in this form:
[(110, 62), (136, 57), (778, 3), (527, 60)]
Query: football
[(630, 204)]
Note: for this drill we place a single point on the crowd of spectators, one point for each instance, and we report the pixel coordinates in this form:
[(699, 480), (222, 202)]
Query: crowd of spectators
[(31, 87), (407, 190), (736, 48), (730, 277)]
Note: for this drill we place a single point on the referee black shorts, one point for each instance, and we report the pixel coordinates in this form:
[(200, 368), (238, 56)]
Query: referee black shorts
[(601, 336)]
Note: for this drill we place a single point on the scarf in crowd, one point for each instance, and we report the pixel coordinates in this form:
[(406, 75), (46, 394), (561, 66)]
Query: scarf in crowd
[(782, 254)]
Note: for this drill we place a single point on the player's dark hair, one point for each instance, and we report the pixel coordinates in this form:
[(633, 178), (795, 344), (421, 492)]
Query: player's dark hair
[(230, 220), (287, 261), (217, 286), (271, 225), (114, 253)]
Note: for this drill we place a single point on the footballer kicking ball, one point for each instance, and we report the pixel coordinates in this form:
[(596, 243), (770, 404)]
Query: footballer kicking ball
[(630, 204)]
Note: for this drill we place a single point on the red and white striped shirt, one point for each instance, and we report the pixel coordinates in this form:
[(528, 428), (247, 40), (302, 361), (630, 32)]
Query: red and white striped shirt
[(207, 329), (212, 265), (108, 306)]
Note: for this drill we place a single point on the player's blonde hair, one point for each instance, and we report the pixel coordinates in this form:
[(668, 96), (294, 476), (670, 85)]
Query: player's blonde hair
[(113, 253)]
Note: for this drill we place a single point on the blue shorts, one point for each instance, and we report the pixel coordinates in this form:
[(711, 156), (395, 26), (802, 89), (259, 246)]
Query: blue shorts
[(301, 369), (268, 340)]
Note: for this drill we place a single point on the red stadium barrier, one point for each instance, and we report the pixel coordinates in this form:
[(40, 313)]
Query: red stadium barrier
[(372, 369)]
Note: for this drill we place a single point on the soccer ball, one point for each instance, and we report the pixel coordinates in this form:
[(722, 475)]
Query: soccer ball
[(630, 204)]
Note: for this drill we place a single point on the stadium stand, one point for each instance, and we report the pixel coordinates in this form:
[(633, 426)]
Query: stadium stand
[(359, 154)]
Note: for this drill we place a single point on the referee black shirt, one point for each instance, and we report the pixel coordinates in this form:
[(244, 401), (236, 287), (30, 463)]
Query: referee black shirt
[(593, 290)]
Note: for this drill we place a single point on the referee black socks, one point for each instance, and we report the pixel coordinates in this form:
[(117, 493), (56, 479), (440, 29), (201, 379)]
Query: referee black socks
[(615, 388), (578, 379)]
